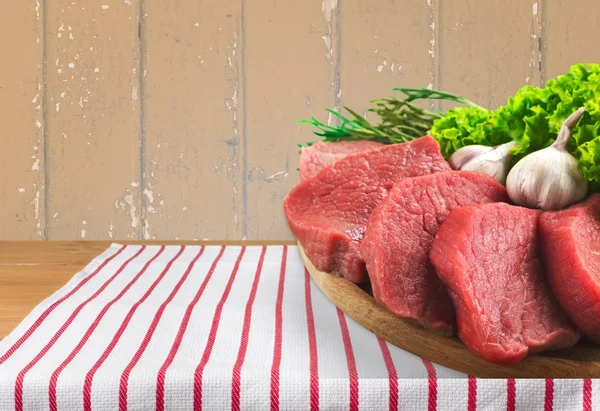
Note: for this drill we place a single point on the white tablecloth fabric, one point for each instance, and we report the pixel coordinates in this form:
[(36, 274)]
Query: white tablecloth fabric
[(219, 328)]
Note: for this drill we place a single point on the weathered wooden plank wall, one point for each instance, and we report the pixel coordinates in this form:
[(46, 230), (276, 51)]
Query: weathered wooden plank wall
[(92, 113), (192, 119), (22, 125), (157, 119), (486, 54)]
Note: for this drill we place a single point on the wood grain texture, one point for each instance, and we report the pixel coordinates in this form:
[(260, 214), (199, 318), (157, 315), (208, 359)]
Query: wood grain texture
[(289, 74), (582, 361), (570, 33), (487, 50), (22, 120), (386, 44), (93, 120), (193, 148), (32, 271)]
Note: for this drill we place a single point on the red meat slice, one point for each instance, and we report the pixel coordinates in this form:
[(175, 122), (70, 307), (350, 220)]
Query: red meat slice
[(328, 213), (571, 249), (488, 257), (399, 236), (322, 154)]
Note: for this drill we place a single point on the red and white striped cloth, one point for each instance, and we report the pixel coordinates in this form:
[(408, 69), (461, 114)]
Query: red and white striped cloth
[(219, 328)]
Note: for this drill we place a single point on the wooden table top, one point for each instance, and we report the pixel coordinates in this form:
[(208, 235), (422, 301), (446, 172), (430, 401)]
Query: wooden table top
[(31, 271)]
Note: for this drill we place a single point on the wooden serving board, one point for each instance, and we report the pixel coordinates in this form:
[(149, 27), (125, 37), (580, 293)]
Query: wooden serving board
[(581, 361)]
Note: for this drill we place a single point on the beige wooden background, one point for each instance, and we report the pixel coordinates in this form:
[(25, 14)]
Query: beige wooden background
[(176, 119)]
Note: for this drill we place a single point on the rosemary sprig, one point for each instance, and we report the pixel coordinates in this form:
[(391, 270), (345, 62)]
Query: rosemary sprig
[(400, 119), (431, 94)]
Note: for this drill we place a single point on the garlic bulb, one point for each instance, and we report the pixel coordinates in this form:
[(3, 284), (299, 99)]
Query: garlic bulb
[(464, 154), (494, 163), (550, 178)]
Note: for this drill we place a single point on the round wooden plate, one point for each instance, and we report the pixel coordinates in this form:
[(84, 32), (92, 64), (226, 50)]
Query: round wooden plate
[(581, 361)]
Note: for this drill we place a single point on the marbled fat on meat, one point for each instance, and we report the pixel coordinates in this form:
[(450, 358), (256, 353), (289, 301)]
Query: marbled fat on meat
[(328, 213), (488, 257)]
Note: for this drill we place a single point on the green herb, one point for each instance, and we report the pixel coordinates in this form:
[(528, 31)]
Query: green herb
[(400, 119), (533, 118)]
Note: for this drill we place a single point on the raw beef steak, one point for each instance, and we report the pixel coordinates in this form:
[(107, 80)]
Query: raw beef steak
[(399, 236), (571, 250), (322, 154), (328, 213), (488, 257)]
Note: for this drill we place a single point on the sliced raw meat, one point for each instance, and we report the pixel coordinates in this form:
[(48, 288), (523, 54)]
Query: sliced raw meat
[(399, 236), (328, 213), (571, 250), (322, 154), (488, 257)]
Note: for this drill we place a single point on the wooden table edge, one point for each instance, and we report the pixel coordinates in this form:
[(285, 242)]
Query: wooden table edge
[(64, 259)]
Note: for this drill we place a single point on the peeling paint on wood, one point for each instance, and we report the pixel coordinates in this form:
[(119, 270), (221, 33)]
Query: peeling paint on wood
[(328, 7), (183, 125), (277, 88), (485, 52), (193, 154), (536, 74), (385, 52), (22, 118), (93, 127), (570, 34)]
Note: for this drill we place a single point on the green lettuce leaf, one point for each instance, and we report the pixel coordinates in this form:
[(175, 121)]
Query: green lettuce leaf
[(461, 127), (533, 118)]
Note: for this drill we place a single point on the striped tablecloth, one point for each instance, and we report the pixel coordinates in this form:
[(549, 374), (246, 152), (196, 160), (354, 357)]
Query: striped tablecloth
[(219, 328)]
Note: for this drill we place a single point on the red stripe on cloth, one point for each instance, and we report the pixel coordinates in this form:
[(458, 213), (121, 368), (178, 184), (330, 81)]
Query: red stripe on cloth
[(587, 394), (124, 381), (94, 325), (549, 397), (87, 386), (198, 373), (511, 394), (393, 375), (160, 381), (312, 345), (49, 310), (278, 335), (38, 357), (472, 405), (237, 368), (350, 360), (432, 377)]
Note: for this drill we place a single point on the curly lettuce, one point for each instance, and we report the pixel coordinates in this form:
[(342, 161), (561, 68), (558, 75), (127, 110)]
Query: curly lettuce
[(532, 118), (463, 126)]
